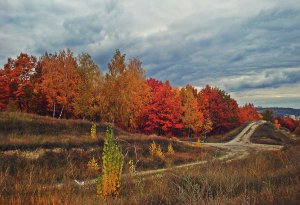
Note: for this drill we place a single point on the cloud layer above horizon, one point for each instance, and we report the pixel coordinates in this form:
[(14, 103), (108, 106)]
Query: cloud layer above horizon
[(249, 48)]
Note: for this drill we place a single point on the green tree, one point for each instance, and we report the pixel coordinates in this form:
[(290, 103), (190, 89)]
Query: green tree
[(113, 160), (268, 115)]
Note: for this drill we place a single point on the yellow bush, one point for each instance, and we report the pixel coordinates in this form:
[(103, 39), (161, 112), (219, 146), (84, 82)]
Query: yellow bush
[(170, 149), (131, 167), (93, 131), (159, 152), (93, 165), (153, 149), (198, 143)]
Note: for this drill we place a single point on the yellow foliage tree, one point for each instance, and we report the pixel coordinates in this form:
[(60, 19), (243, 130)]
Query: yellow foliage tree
[(125, 91), (192, 117), (89, 100)]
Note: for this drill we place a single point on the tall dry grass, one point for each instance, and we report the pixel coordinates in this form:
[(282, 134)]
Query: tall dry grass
[(264, 178)]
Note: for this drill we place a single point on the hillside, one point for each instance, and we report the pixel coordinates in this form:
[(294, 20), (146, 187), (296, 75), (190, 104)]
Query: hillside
[(45, 159), (280, 111), (268, 134)]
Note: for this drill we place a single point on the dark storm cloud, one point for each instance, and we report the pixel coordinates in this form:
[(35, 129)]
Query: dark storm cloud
[(238, 45)]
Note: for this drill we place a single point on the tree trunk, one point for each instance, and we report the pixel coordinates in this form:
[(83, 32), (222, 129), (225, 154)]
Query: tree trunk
[(61, 111), (53, 115)]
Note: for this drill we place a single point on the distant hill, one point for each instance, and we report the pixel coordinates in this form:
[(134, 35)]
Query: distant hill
[(281, 111)]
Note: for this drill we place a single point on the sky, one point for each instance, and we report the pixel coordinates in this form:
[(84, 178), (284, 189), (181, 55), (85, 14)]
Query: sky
[(249, 48)]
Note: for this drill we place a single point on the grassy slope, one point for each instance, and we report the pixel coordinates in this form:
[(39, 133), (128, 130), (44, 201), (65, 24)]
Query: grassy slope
[(62, 148), (268, 134), (263, 178)]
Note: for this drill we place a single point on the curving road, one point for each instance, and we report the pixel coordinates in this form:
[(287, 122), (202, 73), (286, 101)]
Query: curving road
[(240, 146)]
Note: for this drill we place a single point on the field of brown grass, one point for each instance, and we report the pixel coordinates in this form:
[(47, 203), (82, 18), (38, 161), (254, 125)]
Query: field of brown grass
[(43, 172)]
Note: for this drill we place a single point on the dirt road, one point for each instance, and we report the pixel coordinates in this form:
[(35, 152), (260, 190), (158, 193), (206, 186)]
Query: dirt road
[(238, 148), (241, 146)]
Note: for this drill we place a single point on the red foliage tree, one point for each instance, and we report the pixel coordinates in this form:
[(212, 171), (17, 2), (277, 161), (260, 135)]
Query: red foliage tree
[(4, 91), (17, 75), (219, 107), (288, 123), (162, 114)]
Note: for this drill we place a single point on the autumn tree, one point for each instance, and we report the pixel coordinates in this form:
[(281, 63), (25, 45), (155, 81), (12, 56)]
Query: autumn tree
[(17, 75), (60, 80), (4, 91), (125, 91), (162, 114), (219, 107), (268, 115), (89, 100), (135, 93), (192, 117), (207, 126), (112, 87), (248, 113), (288, 123)]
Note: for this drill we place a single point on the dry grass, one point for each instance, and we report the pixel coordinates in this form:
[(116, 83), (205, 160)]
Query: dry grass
[(31, 175), (268, 134), (264, 178)]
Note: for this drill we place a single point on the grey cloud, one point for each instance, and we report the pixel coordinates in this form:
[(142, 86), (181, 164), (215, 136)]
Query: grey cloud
[(267, 78), (207, 42)]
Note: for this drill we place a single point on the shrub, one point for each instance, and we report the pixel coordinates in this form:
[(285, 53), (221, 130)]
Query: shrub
[(93, 131), (159, 152), (113, 159), (93, 165), (156, 151), (153, 149), (198, 143), (131, 167), (171, 150)]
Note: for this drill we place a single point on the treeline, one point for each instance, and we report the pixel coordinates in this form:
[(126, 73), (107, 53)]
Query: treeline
[(62, 85)]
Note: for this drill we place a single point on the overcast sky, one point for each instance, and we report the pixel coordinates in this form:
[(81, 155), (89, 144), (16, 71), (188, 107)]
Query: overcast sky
[(249, 48)]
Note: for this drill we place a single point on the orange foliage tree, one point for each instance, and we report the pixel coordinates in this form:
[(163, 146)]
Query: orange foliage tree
[(248, 113), (125, 91), (60, 80), (89, 100)]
